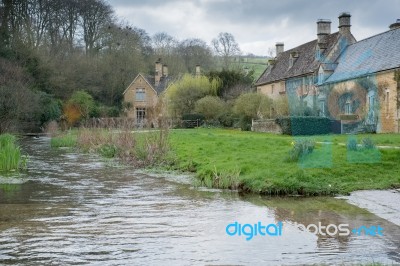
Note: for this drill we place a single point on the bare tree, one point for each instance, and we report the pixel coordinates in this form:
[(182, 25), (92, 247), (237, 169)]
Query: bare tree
[(95, 15), (226, 47), (195, 52), (164, 44)]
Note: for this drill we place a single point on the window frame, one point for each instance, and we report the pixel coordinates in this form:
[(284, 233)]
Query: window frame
[(142, 93), (140, 114)]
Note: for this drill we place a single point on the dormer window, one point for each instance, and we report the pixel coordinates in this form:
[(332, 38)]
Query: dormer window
[(321, 76), (293, 56)]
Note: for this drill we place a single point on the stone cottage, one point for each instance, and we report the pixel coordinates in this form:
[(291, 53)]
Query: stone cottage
[(337, 77), (142, 95)]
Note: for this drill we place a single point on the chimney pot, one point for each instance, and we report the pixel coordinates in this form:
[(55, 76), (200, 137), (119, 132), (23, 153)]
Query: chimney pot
[(280, 48), (323, 30), (165, 70), (198, 71), (395, 25), (344, 23), (158, 72)]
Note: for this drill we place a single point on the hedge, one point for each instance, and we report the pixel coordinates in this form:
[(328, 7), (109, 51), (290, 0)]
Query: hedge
[(305, 125)]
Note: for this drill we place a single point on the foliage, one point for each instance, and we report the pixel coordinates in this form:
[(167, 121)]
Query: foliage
[(352, 144), (51, 108), (300, 149), (67, 140), (210, 106), (281, 106), (83, 101), (232, 82), (183, 94), (17, 102), (108, 150), (304, 125), (11, 158), (368, 143), (72, 114), (253, 105)]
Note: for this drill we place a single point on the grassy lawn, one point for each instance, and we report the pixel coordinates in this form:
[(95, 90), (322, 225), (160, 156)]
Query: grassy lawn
[(256, 162)]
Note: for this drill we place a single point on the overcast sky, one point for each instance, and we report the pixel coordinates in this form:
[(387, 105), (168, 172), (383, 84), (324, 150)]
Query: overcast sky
[(256, 24)]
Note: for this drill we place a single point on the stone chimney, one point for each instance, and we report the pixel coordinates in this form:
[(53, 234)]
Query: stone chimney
[(280, 47), (165, 70), (395, 25), (323, 30), (344, 23), (158, 72), (198, 71)]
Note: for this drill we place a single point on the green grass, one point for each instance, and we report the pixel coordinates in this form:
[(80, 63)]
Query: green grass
[(258, 64), (68, 140), (11, 158), (256, 162)]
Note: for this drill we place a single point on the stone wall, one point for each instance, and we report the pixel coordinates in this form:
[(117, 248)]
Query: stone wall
[(389, 120), (130, 96), (268, 125)]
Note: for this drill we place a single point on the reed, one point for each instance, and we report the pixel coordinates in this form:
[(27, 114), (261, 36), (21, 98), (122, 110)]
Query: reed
[(11, 158)]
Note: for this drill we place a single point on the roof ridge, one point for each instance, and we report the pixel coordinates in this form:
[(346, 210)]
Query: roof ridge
[(309, 42), (373, 36)]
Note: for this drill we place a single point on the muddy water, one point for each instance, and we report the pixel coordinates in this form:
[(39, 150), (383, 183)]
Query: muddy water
[(76, 209)]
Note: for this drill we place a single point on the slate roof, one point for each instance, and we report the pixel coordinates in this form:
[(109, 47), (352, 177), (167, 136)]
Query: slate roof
[(162, 86), (377, 53), (306, 62)]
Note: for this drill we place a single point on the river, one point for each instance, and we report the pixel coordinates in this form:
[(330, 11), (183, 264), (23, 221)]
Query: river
[(77, 209)]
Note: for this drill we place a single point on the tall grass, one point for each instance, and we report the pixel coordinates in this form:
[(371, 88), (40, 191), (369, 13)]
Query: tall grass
[(65, 140), (142, 149), (10, 154)]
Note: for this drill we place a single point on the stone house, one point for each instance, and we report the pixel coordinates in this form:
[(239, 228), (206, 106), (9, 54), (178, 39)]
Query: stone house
[(366, 85), (142, 95), (337, 77)]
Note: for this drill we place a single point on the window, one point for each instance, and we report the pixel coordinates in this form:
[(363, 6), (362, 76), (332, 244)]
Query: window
[(387, 102), (322, 107), (291, 61), (347, 108), (140, 115), (140, 95), (371, 102), (320, 77)]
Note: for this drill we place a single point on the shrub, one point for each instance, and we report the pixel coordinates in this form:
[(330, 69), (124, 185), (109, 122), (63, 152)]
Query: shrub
[(368, 143), (305, 125), (108, 150), (253, 105), (183, 94), (226, 119), (210, 107), (352, 144), (300, 149)]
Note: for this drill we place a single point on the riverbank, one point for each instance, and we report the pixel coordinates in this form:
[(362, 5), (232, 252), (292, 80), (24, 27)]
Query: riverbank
[(256, 162)]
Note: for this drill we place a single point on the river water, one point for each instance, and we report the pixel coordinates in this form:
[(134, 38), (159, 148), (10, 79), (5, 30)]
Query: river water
[(76, 209)]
